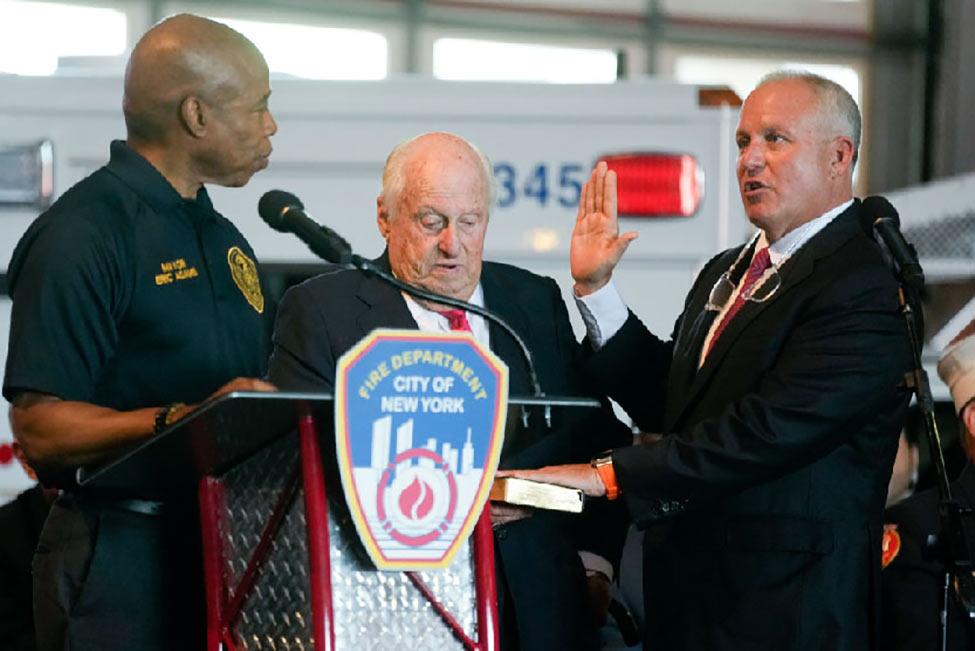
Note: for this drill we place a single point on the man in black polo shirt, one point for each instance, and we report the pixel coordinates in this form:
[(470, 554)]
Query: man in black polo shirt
[(132, 297)]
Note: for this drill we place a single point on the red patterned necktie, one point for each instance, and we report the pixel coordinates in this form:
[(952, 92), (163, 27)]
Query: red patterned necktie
[(457, 320), (760, 264)]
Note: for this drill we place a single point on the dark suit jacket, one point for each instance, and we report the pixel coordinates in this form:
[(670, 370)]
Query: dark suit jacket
[(913, 578), (764, 500), (20, 527), (322, 318)]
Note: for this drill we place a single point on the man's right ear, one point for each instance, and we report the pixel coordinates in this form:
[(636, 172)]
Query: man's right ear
[(382, 217), (193, 116)]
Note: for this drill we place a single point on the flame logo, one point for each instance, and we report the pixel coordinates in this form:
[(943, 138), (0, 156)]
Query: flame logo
[(416, 500)]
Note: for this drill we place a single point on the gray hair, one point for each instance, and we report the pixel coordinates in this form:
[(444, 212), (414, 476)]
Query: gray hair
[(837, 104), (394, 171)]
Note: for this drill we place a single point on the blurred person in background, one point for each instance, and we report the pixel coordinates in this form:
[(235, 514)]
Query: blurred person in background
[(904, 476), (20, 527), (913, 574)]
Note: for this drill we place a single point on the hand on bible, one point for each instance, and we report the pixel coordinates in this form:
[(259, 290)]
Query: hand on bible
[(577, 475)]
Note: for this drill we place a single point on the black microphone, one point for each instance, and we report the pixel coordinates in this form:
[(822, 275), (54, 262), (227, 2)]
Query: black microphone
[(878, 216), (284, 212)]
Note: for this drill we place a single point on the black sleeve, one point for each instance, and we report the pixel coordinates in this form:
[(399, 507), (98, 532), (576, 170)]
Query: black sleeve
[(16, 634), (301, 356), (602, 527), (632, 368), (68, 296)]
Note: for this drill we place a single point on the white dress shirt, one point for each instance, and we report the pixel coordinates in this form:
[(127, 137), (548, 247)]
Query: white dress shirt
[(433, 321)]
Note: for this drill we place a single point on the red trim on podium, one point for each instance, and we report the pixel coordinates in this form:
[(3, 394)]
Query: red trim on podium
[(485, 584), (316, 516), (441, 610), (211, 509), (261, 550)]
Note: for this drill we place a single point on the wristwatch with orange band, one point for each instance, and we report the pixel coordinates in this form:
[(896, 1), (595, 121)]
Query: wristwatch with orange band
[(604, 468)]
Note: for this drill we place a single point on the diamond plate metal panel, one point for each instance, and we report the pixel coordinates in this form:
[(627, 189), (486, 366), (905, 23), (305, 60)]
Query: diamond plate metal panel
[(373, 611), (383, 611), (277, 614)]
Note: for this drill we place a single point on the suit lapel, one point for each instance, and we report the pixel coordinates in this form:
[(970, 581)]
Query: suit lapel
[(792, 274), (690, 338), (384, 306), (693, 331), (504, 301)]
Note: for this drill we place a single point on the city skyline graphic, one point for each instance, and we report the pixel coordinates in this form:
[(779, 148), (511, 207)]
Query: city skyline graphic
[(391, 438), (460, 461)]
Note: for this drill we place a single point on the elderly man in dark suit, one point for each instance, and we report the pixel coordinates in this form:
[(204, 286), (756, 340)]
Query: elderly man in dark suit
[(780, 396), (433, 213)]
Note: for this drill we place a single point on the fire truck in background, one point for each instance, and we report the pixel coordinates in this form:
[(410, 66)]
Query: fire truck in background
[(672, 145)]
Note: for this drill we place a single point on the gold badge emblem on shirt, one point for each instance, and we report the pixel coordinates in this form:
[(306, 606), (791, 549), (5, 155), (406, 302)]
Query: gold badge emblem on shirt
[(245, 276)]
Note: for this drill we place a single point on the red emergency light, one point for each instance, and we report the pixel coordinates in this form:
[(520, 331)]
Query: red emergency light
[(657, 185)]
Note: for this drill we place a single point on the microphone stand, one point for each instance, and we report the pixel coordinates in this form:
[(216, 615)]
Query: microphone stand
[(953, 544), (369, 267)]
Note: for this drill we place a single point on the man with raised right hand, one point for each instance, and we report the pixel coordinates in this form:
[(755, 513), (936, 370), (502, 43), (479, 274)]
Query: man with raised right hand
[(780, 396)]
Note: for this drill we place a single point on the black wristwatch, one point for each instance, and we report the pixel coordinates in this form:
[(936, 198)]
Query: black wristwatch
[(166, 416)]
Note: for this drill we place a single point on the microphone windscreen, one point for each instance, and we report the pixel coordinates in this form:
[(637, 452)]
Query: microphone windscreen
[(272, 206), (873, 208)]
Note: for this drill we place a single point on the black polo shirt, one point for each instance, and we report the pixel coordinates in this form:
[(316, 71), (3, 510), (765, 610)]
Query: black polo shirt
[(126, 295)]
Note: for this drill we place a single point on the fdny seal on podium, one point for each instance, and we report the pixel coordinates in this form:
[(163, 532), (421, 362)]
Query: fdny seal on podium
[(419, 423)]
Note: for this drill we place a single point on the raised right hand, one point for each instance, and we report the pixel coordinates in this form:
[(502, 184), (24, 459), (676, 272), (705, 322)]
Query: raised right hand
[(597, 245)]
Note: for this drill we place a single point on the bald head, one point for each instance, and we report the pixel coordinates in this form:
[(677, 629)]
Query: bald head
[(418, 151), (179, 57)]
